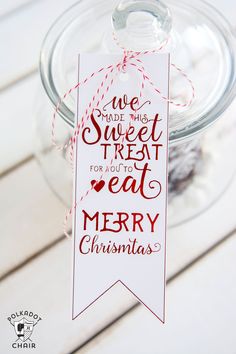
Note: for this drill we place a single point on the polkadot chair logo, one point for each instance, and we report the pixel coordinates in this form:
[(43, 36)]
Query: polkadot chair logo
[(24, 323)]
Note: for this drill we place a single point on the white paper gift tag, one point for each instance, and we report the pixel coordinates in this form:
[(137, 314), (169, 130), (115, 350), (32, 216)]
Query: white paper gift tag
[(120, 185)]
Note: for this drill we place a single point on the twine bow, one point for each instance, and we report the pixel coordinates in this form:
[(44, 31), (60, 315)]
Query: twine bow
[(129, 59)]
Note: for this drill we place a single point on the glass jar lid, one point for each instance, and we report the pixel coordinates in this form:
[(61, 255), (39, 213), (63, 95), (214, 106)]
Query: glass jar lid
[(201, 42)]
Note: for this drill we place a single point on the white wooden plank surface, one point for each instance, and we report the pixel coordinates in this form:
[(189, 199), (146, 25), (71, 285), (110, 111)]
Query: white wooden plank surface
[(200, 314), (17, 121), (31, 216), (44, 286), (21, 50), (21, 38), (21, 42), (22, 195), (7, 7)]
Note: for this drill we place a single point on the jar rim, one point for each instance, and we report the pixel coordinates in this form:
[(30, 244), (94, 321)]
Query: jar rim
[(195, 127)]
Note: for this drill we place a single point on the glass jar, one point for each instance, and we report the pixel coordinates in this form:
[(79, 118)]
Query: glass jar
[(200, 41)]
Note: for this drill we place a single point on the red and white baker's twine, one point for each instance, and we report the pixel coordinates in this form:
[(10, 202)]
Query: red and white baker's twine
[(129, 58)]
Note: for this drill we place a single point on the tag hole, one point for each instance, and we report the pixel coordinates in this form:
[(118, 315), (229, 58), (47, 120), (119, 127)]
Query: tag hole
[(124, 77)]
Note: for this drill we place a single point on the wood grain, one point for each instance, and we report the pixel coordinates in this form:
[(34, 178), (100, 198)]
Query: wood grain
[(9, 8), (44, 286), (30, 225), (21, 37), (201, 313), (17, 119), (31, 216)]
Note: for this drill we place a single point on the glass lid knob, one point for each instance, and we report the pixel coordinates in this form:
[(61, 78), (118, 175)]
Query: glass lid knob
[(141, 24)]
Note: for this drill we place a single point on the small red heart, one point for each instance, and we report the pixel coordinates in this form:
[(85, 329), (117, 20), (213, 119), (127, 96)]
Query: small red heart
[(97, 185)]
